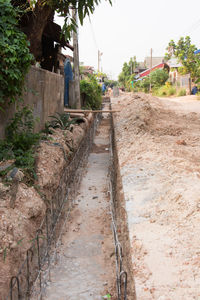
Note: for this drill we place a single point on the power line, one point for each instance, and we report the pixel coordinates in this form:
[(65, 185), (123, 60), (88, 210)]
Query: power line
[(93, 34), (193, 27)]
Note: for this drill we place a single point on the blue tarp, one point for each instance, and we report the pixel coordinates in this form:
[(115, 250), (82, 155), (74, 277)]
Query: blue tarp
[(68, 76), (197, 51)]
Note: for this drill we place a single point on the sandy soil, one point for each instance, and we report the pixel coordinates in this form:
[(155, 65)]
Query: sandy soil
[(158, 143)]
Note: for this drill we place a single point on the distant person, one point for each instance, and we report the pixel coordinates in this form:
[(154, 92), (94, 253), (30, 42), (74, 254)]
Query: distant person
[(103, 88), (194, 90)]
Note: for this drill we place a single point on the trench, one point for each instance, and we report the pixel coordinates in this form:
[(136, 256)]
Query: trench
[(89, 257), (86, 266)]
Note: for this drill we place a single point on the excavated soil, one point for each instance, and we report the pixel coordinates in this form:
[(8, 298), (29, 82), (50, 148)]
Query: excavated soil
[(86, 265), (158, 144), (20, 221)]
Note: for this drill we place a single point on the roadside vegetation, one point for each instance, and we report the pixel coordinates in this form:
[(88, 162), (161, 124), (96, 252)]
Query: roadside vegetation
[(19, 147), (158, 82), (18, 52), (91, 92), (15, 56), (20, 144)]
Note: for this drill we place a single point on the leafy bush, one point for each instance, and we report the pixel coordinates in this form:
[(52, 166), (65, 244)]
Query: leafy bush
[(181, 92), (91, 93), (20, 141), (19, 132), (62, 121), (15, 55), (165, 90), (158, 78)]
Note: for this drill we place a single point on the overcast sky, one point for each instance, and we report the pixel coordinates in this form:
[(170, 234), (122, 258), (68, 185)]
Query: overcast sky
[(131, 27)]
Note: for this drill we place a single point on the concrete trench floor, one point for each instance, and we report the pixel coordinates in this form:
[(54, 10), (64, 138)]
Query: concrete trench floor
[(86, 268)]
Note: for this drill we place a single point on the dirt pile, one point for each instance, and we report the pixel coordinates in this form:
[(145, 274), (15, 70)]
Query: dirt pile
[(23, 207), (159, 164)]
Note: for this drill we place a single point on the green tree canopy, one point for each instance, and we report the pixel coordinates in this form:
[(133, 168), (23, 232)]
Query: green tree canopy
[(43, 10), (14, 52), (184, 51), (158, 78), (127, 73)]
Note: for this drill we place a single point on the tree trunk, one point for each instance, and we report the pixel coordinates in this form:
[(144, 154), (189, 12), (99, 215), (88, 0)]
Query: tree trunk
[(190, 85), (40, 17)]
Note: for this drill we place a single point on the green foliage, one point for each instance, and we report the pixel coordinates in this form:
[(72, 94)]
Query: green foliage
[(184, 51), (20, 141), (62, 121), (144, 85), (181, 92), (158, 78), (165, 91), (91, 93), (15, 56), (127, 72), (110, 83), (84, 8), (107, 297), (19, 132)]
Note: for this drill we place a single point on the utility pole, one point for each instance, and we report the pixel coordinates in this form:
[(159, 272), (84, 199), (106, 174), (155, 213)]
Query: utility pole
[(150, 69), (76, 62), (99, 60), (131, 66)]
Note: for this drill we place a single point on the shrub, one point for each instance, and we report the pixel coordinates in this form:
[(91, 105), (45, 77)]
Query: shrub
[(61, 121), (91, 93), (20, 141), (165, 91), (158, 78), (15, 55), (181, 92), (171, 91)]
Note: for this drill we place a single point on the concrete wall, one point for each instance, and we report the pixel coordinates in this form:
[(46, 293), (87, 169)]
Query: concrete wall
[(44, 92)]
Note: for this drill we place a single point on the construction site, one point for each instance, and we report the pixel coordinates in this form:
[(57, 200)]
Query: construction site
[(119, 218)]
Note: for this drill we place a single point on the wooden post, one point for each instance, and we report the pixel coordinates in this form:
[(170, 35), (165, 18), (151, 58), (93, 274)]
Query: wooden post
[(76, 63), (150, 71)]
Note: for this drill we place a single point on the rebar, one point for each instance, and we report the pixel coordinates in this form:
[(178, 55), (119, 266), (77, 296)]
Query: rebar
[(37, 262), (121, 275)]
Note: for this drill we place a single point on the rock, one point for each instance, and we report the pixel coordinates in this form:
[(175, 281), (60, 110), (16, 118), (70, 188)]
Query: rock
[(181, 142), (13, 245), (13, 172), (16, 174)]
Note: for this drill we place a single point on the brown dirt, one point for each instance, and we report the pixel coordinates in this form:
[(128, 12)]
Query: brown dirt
[(158, 142), (87, 250), (18, 223)]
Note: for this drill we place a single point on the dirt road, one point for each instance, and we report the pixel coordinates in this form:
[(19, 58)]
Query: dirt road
[(158, 142)]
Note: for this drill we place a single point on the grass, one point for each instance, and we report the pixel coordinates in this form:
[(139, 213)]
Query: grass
[(165, 91), (181, 92)]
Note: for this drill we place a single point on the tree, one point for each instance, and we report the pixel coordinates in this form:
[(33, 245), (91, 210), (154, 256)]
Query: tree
[(128, 69), (158, 78), (14, 52), (185, 52), (43, 10)]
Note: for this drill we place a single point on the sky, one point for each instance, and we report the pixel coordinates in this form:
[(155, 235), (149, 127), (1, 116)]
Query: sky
[(132, 27)]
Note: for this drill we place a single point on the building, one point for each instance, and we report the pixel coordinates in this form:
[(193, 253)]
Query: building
[(155, 61), (173, 64)]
